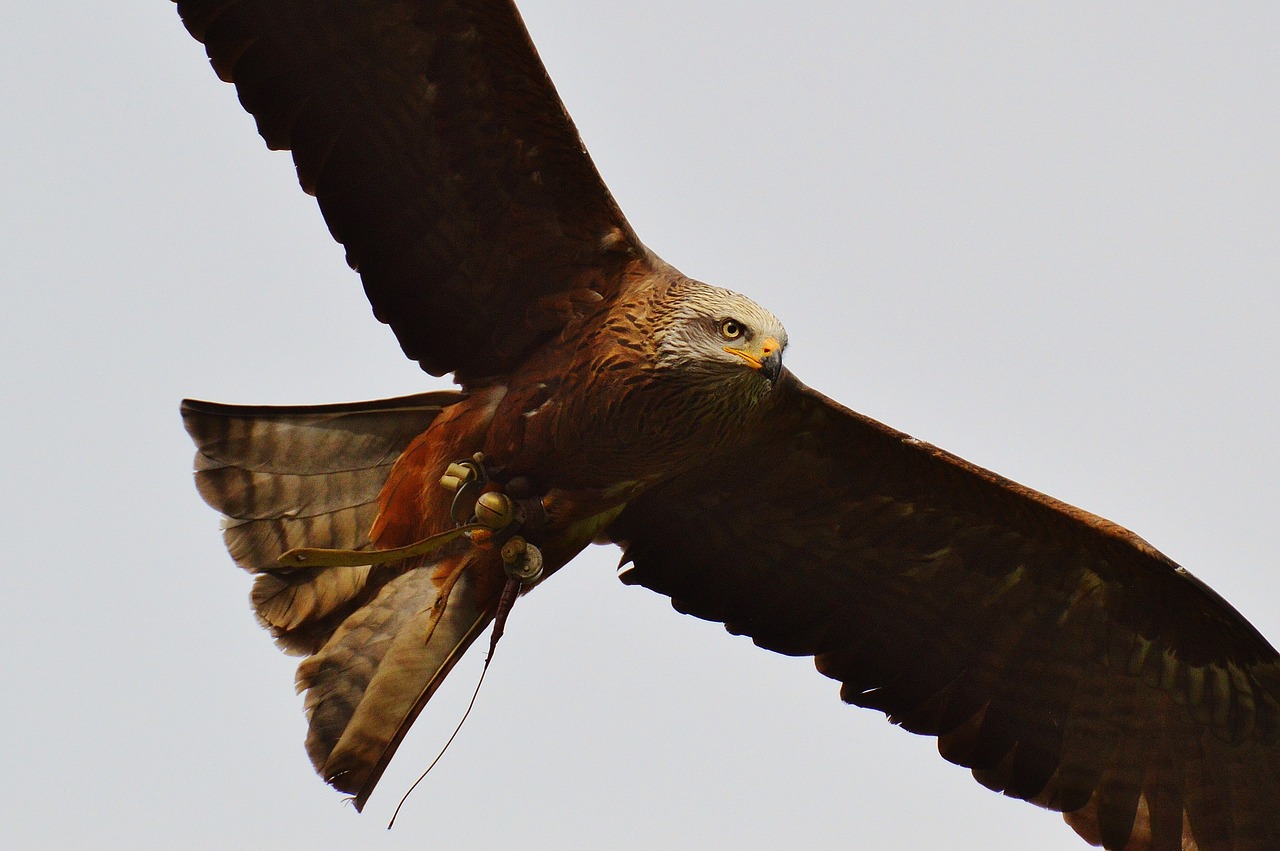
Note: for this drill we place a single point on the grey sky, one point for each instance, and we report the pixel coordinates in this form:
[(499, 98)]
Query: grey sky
[(1044, 238)]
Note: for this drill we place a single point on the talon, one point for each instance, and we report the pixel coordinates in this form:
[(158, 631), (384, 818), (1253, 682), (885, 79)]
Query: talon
[(522, 560)]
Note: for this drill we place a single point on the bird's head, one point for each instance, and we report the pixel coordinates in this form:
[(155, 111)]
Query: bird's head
[(705, 329)]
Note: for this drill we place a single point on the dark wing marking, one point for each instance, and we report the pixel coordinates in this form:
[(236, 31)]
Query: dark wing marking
[(1058, 655), (443, 161)]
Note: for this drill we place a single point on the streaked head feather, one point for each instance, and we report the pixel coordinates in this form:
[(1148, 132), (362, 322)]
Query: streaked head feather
[(688, 328)]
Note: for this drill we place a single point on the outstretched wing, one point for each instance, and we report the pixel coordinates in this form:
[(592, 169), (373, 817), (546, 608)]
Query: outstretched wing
[(443, 161), (1058, 655)]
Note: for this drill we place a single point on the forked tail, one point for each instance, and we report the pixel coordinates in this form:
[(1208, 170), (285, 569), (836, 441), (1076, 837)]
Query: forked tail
[(379, 639)]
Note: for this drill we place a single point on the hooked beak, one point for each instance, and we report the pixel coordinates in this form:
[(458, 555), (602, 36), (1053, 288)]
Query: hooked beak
[(767, 359), (771, 365)]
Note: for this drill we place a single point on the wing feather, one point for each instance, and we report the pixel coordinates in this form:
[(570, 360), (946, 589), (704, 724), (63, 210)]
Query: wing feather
[(1058, 655), (442, 159)]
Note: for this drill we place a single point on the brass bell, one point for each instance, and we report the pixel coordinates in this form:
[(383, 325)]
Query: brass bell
[(495, 510)]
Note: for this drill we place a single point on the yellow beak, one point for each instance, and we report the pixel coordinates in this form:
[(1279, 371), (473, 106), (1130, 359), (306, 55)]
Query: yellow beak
[(767, 357)]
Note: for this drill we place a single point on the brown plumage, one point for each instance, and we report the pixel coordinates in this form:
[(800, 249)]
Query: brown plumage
[(1056, 654)]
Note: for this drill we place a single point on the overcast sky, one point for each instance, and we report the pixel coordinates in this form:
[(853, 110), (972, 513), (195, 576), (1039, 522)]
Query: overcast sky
[(1044, 238)]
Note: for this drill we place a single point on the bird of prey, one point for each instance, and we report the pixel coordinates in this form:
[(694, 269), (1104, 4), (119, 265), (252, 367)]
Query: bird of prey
[(603, 396)]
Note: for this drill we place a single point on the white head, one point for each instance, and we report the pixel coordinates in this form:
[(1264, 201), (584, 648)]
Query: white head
[(707, 329)]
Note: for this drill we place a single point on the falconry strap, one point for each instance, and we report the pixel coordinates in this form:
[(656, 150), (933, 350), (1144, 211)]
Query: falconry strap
[(493, 517)]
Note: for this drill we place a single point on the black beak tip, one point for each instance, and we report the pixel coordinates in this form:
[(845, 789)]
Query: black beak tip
[(771, 367)]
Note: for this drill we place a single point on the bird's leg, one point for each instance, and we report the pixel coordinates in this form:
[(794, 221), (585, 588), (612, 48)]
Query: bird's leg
[(523, 564), (469, 478), (465, 478), (485, 517), (500, 520), (503, 510)]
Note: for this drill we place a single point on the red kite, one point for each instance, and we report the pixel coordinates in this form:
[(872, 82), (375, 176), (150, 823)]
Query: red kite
[(606, 397)]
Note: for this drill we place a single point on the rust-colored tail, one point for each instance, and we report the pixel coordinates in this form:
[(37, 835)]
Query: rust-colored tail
[(379, 639), (367, 685), (292, 476)]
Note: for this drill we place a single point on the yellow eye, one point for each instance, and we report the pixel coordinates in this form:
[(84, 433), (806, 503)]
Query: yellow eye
[(731, 329)]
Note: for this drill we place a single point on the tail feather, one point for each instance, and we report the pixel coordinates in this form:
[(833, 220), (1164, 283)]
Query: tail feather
[(379, 639), (250, 495), (256, 545), (366, 686), (306, 439), (287, 601), (286, 477)]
